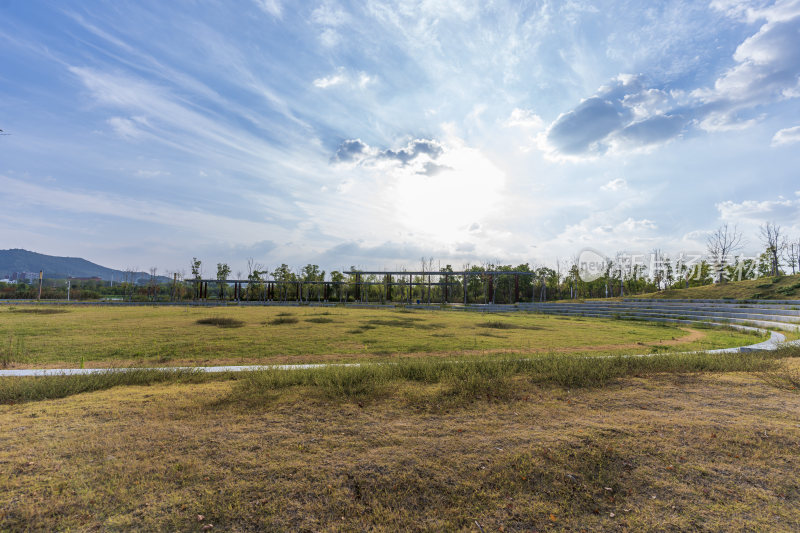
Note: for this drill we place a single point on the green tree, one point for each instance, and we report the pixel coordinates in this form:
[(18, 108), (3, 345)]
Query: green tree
[(223, 271), (197, 267), (312, 273), (337, 280)]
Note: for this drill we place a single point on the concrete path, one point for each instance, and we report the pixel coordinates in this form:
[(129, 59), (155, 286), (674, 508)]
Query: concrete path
[(775, 341)]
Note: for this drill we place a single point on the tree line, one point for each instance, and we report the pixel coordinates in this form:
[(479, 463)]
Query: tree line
[(624, 274)]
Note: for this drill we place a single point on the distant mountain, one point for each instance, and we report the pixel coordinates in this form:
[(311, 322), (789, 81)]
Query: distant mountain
[(18, 260)]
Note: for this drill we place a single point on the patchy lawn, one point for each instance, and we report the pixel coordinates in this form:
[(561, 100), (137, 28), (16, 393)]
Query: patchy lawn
[(156, 336)]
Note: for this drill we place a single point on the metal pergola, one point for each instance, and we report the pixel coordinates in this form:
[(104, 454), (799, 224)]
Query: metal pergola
[(395, 287)]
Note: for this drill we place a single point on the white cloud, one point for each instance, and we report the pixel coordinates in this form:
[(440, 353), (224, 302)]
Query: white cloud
[(330, 81), (169, 119), (330, 37), (525, 118), (143, 211), (615, 185), (606, 231), (127, 128), (152, 174), (365, 79), (358, 79), (329, 14), (786, 136), (768, 62), (647, 103), (726, 121), (626, 114), (271, 7), (758, 210)]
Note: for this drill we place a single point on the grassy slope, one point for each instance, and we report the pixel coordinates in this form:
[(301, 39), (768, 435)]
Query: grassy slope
[(779, 288), (101, 336), (669, 452)]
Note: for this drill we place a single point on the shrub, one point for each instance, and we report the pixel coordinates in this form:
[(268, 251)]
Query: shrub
[(282, 320), (221, 322), (497, 324), (39, 310)]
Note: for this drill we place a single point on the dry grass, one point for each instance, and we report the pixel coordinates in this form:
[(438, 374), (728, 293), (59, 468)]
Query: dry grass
[(663, 453)]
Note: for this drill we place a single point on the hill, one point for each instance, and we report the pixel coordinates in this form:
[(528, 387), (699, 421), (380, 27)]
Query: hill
[(54, 267), (777, 288)]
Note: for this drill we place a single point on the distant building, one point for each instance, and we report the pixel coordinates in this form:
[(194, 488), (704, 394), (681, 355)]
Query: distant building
[(23, 276)]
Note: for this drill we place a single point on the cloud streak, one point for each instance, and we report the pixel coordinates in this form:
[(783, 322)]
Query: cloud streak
[(786, 136)]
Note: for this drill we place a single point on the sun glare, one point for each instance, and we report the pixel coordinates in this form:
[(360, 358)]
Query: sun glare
[(443, 199)]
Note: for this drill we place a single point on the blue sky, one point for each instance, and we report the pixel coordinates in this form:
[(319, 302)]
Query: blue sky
[(376, 133)]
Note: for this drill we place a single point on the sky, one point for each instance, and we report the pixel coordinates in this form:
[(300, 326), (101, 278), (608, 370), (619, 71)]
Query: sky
[(373, 134)]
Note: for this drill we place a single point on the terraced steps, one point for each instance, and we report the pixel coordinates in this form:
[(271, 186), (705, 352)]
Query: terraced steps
[(766, 316)]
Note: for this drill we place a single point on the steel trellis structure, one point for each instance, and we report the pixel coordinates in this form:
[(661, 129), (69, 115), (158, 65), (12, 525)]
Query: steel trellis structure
[(440, 287)]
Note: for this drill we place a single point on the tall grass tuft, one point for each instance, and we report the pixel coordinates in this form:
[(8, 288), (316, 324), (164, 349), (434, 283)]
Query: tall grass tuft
[(39, 310), (497, 324), (471, 378), (282, 320), (25, 389), (12, 352), (320, 320), (221, 322)]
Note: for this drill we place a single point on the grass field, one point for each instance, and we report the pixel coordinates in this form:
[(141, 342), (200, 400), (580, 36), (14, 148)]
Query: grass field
[(43, 336), (480, 423), (776, 288), (658, 452)]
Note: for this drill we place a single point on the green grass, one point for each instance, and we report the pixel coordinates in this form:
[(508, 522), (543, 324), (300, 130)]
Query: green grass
[(776, 288), (473, 377), (25, 389), (130, 336), (11, 351), (461, 379)]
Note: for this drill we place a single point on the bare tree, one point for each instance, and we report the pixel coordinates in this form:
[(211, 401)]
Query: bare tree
[(130, 281), (774, 242), (721, 245), (152, 288), (793, 255)]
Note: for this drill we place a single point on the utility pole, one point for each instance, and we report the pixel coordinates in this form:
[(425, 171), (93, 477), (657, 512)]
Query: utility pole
[(41, 274), (69, 282)]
